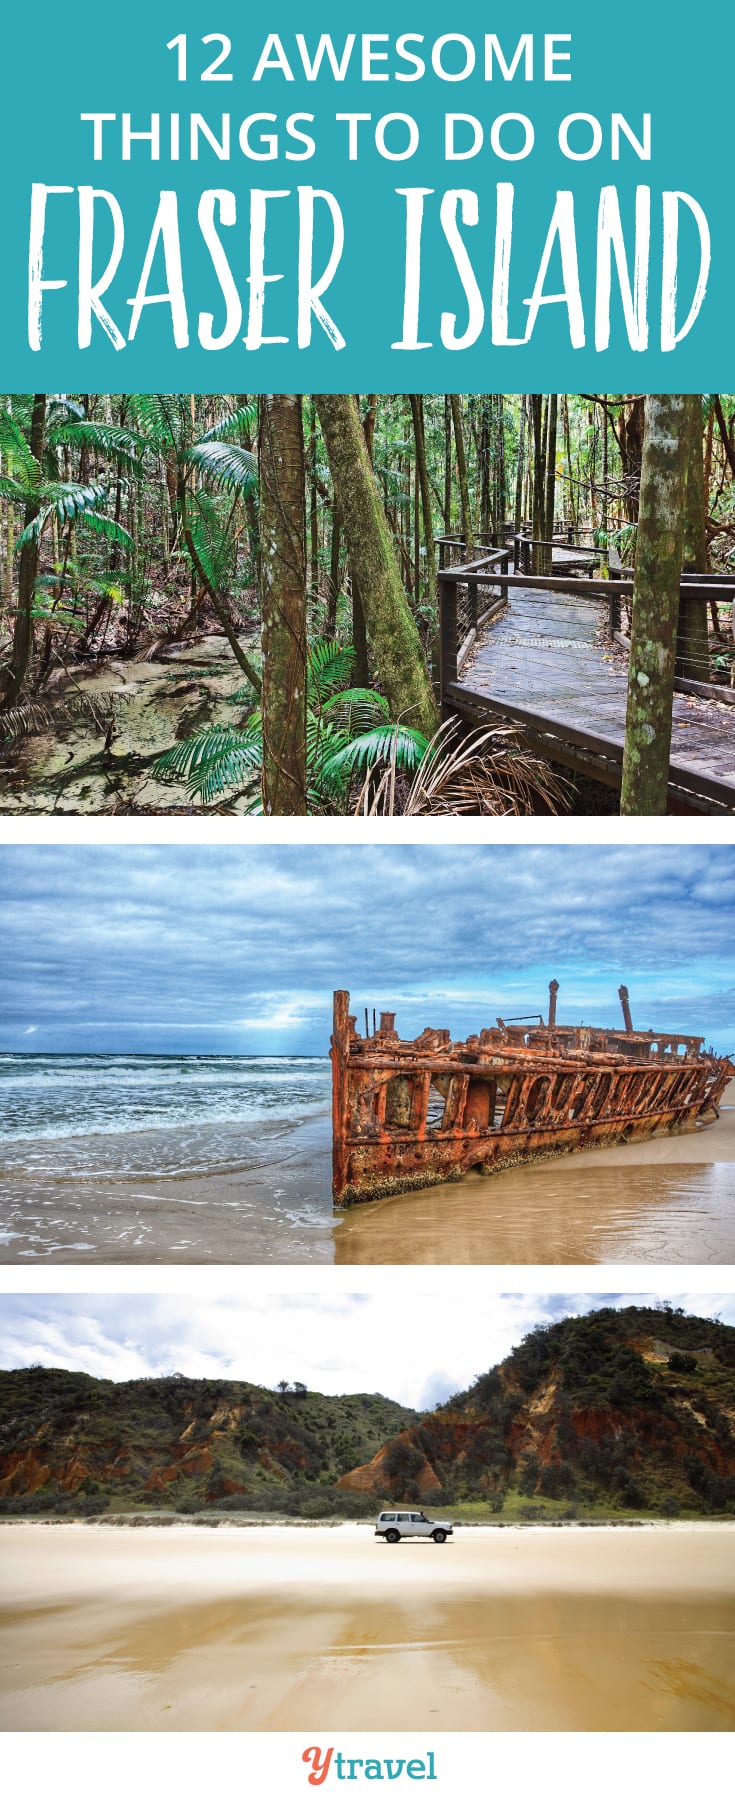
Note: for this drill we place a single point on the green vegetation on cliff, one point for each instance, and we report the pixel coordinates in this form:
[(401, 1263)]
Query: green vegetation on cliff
[(615, 1414)]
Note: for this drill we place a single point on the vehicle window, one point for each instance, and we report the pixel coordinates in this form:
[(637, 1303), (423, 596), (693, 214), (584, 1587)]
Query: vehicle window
[(404, 1518), (387, 1518), (417, 1518)]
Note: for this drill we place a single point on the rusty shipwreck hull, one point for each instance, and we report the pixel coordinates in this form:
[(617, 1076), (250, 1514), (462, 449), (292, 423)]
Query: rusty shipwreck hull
[(409, 1114)]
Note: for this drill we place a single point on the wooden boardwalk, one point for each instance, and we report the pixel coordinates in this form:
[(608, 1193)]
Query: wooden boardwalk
[(547, 662)]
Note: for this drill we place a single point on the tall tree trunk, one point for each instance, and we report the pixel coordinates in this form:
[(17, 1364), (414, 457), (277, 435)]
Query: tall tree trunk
[(570, 508), (464, 492), (550, 478), (334, 581), (361, 668), (692, 645), (485, 466), (392, 634), (313, 511), (27, 573), (647, 750), (539, 479), (520, 466), (605, 531), (417, 412), (447, 466), (501, 492), (283, 603)]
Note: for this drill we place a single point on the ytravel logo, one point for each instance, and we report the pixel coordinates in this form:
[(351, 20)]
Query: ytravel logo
[(326, 1763)]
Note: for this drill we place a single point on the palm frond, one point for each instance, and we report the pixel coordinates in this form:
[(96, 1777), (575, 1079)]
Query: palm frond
[(10, 489), (233, 425), (13, 445), (372, 749), (356, 710), (213, 759), (329, 667), (215, 549), (126, 447), (71, 501), (232, 468), (164, 418), (487, 773), (107, 528)]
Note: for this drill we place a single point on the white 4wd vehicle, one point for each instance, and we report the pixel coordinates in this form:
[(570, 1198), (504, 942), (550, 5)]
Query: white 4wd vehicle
[(395, 1525)]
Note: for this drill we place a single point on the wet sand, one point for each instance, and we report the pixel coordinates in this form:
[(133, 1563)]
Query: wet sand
[(671, 1200), (262, 1196), (268, 1200), (191, 1629)]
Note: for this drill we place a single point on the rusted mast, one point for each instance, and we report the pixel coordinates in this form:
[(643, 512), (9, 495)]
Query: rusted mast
[(553, 991), (624, 1001)]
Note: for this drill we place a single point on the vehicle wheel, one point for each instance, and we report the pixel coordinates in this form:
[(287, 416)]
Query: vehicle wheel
[(392, 1537), (439, 1537)]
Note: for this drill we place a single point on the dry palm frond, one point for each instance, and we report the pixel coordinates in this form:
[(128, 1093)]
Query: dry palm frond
[(34, 715), (27, 716), (488, 773)]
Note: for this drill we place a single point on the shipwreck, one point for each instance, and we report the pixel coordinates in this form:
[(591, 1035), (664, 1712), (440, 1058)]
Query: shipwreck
[(407, 1114)]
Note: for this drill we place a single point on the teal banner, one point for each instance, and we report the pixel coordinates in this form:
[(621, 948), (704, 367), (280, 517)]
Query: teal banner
[(395, 197)]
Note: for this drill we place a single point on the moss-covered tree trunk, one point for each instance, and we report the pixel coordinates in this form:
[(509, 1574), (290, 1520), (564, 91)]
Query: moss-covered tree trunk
[(692, 649), (394, 640), (417, 412), (283, 603), (361, 667), (20, 654), (655, 606)]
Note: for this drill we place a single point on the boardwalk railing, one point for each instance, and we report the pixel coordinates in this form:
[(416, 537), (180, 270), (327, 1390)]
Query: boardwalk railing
[(470, 594)]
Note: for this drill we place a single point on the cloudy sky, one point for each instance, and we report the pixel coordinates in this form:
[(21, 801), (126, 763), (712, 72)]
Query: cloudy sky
[(237, 949), (419, 1353)]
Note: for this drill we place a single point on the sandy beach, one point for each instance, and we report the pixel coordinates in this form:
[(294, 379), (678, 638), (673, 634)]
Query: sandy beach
[(263, 1195), (282, 1628)]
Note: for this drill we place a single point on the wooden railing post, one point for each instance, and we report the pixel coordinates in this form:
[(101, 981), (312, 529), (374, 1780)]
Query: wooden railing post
[(447, 637), (613, 606)]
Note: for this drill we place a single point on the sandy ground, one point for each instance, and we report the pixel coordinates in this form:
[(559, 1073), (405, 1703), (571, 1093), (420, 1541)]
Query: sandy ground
[(670, 1200), (191, 1629)]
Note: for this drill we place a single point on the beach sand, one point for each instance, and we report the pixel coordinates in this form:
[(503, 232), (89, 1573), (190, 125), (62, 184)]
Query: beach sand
[(267, 1199), (281, 1628), (669, 1200)]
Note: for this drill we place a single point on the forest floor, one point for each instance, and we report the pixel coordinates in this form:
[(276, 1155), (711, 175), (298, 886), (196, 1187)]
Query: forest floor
[(109, 720)]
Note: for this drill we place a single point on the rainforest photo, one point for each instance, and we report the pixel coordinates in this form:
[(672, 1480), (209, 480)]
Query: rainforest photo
[(346, 605)]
